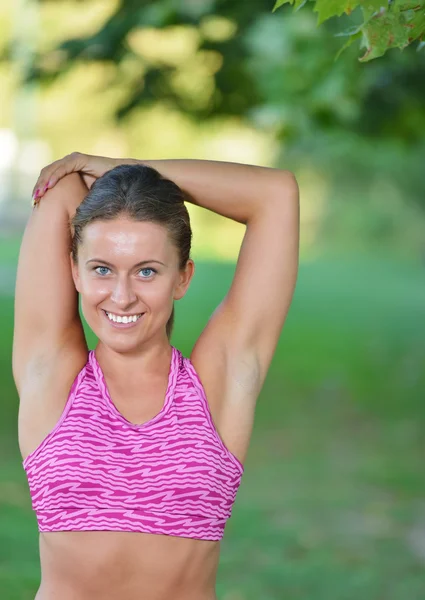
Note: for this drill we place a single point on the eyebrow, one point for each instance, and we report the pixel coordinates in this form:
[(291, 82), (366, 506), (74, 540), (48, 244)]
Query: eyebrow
[(139, 264)]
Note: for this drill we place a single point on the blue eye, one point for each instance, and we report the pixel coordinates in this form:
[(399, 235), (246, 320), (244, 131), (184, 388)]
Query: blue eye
[(104, 271), (147, 269)]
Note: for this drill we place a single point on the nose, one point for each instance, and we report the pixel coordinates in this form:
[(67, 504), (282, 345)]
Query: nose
[(123, 294)]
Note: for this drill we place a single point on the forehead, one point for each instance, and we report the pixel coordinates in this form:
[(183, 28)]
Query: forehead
[(121, 238)]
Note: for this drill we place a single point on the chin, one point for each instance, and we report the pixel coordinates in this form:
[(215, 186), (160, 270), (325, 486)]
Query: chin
[(118, 344), (119, 341)]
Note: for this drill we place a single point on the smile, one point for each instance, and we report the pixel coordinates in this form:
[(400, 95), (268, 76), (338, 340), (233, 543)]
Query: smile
[(122, 319)]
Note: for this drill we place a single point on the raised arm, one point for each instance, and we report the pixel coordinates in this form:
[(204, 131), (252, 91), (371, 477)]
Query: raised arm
[(232, 190), (47, 321)]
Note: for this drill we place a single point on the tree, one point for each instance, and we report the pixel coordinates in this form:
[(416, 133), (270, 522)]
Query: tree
[(275, 69), (384, 24)]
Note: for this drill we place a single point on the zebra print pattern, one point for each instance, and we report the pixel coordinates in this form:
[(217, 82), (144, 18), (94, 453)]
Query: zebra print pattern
[(97, 471)]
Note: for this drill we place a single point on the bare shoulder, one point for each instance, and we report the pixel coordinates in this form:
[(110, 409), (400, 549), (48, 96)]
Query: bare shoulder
[(44, 392), (232, 382)]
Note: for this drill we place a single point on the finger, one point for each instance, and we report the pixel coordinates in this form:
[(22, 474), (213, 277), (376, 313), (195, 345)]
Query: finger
[(59, 168), (51, 174), (46, 182), (40, 191), (44, 175)]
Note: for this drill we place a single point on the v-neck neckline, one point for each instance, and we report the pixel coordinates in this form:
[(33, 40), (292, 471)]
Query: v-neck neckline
[(172, 376)]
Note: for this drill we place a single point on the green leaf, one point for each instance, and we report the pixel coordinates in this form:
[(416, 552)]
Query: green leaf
[(412, 16), (280, 3), (402, 5), (385, 30), (415, 21), (300, 3), (371, 7), (332, 8), (398, 26), (351, 38), (387, 23), (297, 4), (327, 9)]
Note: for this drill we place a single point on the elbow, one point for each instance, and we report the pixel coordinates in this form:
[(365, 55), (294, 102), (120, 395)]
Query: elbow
[(284, 193), (287, 200), (287, 186)]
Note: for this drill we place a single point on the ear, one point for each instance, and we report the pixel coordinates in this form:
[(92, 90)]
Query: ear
[(184, 279), (75, 273)]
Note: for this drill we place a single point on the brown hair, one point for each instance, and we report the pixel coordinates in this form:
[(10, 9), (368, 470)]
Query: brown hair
[(140, 193)]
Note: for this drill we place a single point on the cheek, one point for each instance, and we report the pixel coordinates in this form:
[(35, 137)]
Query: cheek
[(161, 294), (92, 290), (92, 295)]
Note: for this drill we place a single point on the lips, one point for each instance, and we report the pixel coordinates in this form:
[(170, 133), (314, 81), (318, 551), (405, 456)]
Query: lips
[(122, 325)]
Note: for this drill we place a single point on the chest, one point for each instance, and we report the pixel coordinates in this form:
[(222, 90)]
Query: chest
[(138, 403)]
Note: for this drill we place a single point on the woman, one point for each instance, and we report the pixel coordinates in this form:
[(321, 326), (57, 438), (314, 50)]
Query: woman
[(134, 453)]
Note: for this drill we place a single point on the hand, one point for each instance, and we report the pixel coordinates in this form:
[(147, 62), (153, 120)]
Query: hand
[(90, 167)]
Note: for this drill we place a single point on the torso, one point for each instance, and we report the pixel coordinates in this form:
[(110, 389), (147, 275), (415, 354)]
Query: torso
[(104, 565)]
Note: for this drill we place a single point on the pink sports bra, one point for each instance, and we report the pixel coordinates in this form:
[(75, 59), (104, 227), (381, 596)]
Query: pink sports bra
[(97, 471)]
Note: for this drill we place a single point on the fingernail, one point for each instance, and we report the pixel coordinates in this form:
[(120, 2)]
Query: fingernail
[(37, 191), (45, 187)]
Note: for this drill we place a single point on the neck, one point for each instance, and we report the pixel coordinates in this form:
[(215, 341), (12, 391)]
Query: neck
[(149, 361)]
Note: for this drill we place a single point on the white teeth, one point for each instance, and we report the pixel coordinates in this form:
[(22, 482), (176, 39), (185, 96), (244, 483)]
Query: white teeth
[(120, 319)]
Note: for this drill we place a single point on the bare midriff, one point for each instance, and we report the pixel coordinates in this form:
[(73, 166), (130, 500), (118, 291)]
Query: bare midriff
[(110, 565)]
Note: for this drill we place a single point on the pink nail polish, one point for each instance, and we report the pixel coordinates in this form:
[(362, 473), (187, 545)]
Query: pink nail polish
[(36, 193)]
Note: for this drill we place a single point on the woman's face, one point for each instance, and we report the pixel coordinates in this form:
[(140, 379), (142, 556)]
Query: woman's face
[(128, 271)]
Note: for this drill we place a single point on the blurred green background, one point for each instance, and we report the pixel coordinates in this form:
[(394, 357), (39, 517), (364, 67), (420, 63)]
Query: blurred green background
[(332, 503)]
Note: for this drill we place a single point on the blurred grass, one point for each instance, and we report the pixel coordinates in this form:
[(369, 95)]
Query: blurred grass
[(332, 503)]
